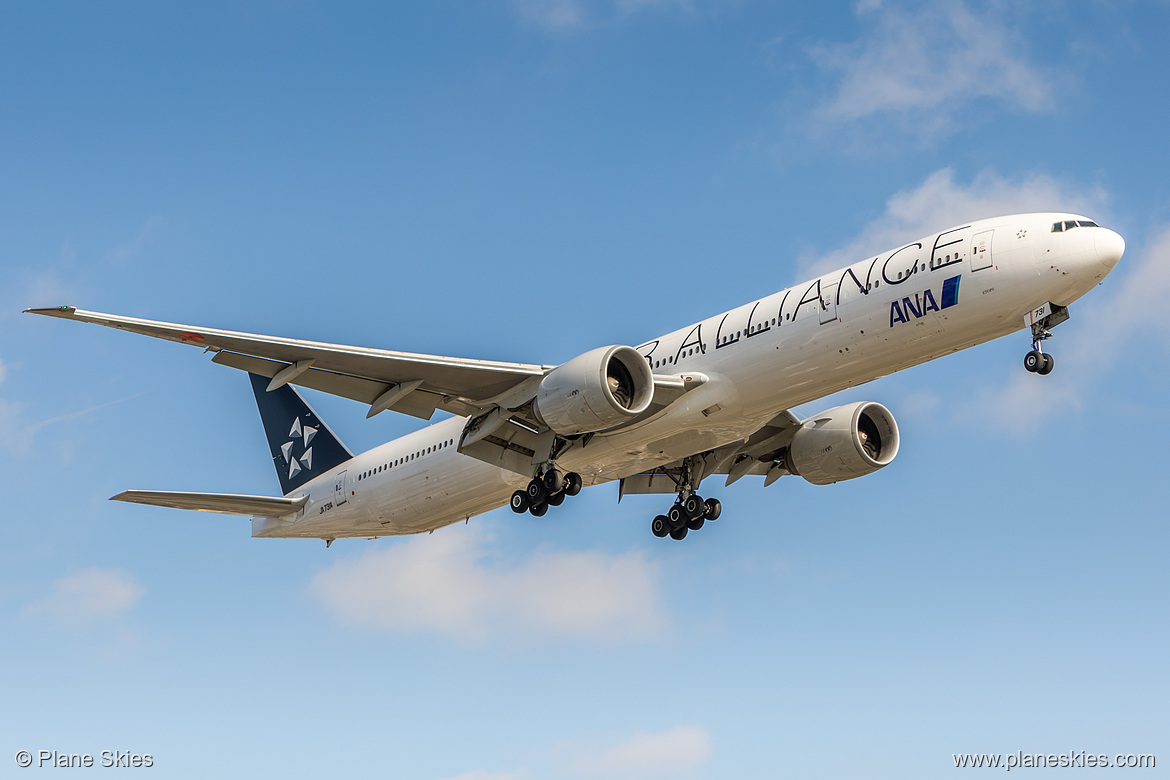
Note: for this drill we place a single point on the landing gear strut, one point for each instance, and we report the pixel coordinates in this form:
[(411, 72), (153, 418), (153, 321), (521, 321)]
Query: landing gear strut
[(545, 490), (689, 513), (1041, 320)]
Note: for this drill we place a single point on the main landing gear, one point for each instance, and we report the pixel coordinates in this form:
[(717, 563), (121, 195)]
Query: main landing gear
[(545, 490), (688, 514)]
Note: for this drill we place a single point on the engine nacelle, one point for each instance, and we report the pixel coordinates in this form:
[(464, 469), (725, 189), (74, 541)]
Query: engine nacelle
[(843, 443), (595, 391)]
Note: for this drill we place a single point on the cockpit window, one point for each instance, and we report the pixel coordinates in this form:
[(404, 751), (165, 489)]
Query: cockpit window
[(1069, 224)]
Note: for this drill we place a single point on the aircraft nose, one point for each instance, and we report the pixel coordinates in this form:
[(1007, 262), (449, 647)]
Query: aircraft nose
[(1110, 247)]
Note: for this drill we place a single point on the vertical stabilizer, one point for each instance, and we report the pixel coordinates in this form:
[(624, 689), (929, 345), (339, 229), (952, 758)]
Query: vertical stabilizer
[(301, 443)]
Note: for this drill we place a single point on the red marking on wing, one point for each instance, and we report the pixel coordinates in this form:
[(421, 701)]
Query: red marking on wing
[(190, 336)]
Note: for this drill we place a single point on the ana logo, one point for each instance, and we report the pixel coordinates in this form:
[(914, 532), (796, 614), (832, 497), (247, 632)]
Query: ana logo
[(913, 308), (305, 435)]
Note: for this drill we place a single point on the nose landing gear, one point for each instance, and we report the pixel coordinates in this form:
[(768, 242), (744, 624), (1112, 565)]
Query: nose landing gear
[(1038, 362), (1040, 321)]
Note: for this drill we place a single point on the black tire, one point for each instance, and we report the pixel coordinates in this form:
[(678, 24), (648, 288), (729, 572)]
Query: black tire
[(693, 506), (714, 509), (556, 499), (538, 510), (519, 502), (676, 516), (1033, 361), (573, 483), (679, 534), (695, 524), (660, 526), (536, 492), (553, 481), (1047, 366)]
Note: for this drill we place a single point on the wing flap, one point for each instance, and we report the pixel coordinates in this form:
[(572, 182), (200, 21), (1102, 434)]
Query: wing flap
[(420, 403), (221, 503), (756, 456)]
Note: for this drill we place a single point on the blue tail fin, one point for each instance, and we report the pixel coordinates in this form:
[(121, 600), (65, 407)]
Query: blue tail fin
[(301, 443)]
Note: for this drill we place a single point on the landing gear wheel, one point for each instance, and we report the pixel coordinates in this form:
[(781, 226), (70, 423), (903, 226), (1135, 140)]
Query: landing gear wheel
[(695, 524), (538, 510), (694, 506), (520, 502), (714, 508), (1033, 361), (679, 534), (553, 481), (556, 499), (660, 526), (573, 483), (536, 492), (677, 517), (1047, 366)]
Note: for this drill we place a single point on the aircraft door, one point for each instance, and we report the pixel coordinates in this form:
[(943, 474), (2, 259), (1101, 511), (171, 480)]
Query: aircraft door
[(981, 250), (828, 303), (340, 491)]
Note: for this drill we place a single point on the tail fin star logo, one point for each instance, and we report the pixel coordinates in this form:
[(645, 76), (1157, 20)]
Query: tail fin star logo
[(305, 434)]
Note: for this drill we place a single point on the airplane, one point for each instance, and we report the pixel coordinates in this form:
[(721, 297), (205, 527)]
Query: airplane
[(712, 398)]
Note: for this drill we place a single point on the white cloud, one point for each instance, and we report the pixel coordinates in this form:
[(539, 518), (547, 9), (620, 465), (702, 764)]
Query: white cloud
[(453, 583), (121, 255), (17, 434), (574, 15), (1144, 289), (1086, 347), (552, 14), (89, 596), (483, 774), (680, 750), (940, 202), (921, 67)]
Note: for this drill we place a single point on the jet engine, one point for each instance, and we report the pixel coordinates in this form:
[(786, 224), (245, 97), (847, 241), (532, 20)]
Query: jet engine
[(843, 443), (595, 391)]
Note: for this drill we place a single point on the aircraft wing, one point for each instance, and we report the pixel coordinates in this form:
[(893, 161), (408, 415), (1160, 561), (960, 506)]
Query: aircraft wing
[(222, 503), (757, 454), (402, 381)]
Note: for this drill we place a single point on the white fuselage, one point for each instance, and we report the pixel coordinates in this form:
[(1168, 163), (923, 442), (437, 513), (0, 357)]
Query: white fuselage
[(890, 311)]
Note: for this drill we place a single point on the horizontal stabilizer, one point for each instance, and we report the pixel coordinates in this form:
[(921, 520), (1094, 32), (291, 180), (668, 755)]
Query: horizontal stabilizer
[(223, 503)]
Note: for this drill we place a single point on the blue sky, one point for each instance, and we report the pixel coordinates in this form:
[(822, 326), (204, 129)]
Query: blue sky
[(526, 181)]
